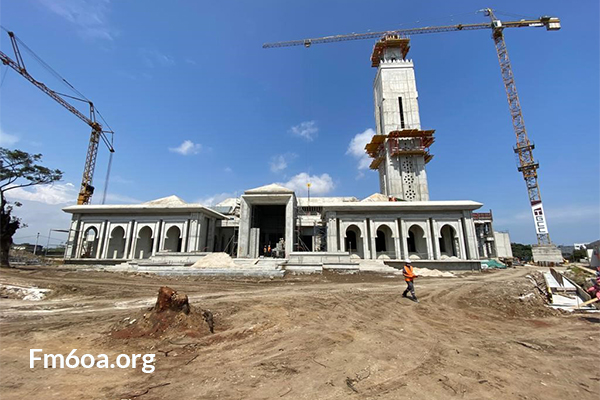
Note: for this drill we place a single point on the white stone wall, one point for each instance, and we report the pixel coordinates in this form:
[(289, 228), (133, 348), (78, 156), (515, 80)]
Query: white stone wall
[(399, 225), (193, 232)]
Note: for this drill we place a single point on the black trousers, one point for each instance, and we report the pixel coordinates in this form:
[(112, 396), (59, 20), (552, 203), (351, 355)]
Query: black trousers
[(410, 287)]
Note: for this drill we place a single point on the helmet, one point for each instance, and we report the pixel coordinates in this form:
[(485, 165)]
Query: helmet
[(408, 261)]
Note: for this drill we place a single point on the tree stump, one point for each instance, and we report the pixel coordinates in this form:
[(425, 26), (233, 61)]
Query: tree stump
[(169, 299)]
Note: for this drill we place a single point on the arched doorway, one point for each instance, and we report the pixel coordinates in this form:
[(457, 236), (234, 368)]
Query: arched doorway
[(116, 244), (173, 240), (354, 241), (384, 242), (448, 241), (143, 245), (90, 243), (417, 244)]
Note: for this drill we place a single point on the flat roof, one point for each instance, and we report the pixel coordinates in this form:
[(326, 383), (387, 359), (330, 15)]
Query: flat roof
[(143, 208), (405, 205)]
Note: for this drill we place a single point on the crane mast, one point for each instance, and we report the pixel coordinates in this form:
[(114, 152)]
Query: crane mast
[(86, 189), (524, 148)]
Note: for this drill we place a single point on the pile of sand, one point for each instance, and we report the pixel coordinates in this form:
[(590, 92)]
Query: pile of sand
[(433, 272), (215, 261)]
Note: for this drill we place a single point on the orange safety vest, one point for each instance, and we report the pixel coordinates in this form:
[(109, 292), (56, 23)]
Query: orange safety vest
[(408, 273)]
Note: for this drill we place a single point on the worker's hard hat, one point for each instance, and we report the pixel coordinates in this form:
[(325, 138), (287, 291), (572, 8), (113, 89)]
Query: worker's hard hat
[(407, 261)]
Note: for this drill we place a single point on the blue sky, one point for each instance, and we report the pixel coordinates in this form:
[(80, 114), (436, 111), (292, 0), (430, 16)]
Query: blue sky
[(200, 110)]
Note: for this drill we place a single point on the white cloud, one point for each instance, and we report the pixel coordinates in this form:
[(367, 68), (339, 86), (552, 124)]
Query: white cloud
[(228, 170), (319, 184), (186, 148), (6, 139), (215, 199), (280, 162), (356, 148), (89, 16), (154, 58), (307, 130), (48, 194)]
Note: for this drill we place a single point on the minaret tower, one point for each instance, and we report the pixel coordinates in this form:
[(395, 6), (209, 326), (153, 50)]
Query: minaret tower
[(400, 149)]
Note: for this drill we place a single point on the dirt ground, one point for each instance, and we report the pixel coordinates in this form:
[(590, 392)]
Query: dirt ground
[(309, 337)]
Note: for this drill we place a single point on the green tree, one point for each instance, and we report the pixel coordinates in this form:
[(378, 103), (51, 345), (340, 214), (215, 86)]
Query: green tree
[(18, 169), (521, 251), (578, 255)]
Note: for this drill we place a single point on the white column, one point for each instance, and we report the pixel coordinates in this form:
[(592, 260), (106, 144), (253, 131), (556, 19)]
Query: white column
[(184, 238), (436, 241), (365, 241), (163, 235), (134, 235), (343, 239), (127, 239), (461, 241), (429, 240), (193, 236), (290, 220), (106, 238), (332, 232), (373, 237), (404, 238), (156, 234), (397, 239), (244, 230)]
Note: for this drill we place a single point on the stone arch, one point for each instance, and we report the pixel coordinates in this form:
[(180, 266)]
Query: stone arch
[(116, 243), (173, 239), (448, 241), (354, 240), (417, 243), (90, 243), (143, 244), (384, 242)]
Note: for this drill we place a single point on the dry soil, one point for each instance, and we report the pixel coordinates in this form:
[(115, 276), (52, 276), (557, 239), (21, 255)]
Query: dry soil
[(312, 337)]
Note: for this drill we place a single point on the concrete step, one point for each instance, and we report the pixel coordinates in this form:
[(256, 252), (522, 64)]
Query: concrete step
[(348, 268), (304, 268)]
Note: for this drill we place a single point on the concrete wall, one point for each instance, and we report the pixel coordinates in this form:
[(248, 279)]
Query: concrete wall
[(503, 248)]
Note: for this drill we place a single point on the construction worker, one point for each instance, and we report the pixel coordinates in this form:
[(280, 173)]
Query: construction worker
[(269, 250), (409, 276)]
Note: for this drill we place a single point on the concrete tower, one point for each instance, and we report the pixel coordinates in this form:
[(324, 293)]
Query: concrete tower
[(400, 149)]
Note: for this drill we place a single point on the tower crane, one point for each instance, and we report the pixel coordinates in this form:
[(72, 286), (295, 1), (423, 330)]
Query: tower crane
[(524, 148), (98, 132)]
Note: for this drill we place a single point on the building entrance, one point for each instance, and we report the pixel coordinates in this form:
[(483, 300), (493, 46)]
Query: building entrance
[(270, 220)]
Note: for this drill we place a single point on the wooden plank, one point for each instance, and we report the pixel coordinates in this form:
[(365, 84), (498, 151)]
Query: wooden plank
[(587, 303)]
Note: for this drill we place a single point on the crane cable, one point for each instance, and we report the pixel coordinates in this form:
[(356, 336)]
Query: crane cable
[(110, 157)]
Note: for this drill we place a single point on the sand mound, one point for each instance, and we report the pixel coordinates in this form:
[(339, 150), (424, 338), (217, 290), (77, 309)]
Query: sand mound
[(171, 316), (23, 293), (433, 272), (215, 260)]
